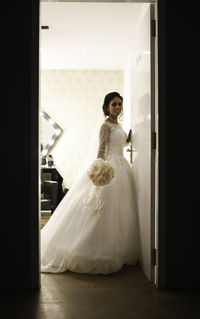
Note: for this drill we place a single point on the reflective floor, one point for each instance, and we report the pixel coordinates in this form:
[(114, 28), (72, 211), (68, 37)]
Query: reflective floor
[(126, 294)]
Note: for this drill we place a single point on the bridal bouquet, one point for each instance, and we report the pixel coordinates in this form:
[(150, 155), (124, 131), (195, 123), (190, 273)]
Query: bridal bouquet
[(101, 172)]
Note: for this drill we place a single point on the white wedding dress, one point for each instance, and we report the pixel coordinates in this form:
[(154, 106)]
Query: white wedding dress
[(94, 229)]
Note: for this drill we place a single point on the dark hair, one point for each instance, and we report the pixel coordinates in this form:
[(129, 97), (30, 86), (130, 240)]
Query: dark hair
[(108, 98)]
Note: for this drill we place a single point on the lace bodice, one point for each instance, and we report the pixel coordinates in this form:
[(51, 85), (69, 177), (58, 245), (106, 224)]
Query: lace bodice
[(112, 140)]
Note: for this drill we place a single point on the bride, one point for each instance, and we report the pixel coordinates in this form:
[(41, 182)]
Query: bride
[(94, 229)]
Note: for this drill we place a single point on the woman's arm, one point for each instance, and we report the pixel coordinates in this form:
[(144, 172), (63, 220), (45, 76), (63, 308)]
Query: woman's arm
[(103, 139)]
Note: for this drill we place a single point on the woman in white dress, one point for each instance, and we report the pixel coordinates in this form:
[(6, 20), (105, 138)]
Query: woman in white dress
[(94, 229)]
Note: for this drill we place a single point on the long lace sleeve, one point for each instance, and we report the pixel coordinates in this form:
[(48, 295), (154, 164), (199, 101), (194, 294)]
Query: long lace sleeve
[(103, 140)]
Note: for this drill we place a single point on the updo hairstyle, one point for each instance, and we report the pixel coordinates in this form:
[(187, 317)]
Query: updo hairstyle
[(108, 98)]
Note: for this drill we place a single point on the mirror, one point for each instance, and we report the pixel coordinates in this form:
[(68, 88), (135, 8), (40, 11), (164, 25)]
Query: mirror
[(50, 131)]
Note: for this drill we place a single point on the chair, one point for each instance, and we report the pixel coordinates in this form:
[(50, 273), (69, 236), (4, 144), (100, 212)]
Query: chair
[(49, 198)]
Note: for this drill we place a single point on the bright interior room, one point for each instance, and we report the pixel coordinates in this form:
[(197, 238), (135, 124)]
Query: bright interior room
[(60, 261), (86, 51)]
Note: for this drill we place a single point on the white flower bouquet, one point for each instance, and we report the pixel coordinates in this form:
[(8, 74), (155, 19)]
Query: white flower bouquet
[(101, 172)]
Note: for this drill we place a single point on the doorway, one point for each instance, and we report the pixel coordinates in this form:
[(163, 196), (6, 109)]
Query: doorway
[(136, 79)]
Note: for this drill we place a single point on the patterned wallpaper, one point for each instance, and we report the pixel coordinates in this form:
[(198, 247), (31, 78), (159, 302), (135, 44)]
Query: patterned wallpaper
[(74, 98)]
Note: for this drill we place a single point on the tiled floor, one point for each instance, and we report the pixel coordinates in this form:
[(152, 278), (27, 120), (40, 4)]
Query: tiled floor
[(123, 295)]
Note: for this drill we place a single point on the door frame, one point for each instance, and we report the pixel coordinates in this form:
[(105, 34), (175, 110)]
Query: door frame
[(154, 135), (161, 194)]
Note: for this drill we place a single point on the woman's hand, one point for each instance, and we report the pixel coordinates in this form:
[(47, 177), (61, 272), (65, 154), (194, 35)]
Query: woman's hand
[(129, 136)]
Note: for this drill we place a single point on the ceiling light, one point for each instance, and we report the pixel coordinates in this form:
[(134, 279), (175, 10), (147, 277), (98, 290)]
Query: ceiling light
[(45, 27)]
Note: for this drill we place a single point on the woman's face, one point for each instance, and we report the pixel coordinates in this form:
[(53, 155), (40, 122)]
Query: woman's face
[(115, 106)]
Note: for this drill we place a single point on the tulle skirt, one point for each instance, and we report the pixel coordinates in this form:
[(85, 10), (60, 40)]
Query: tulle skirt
[(94, 229)]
